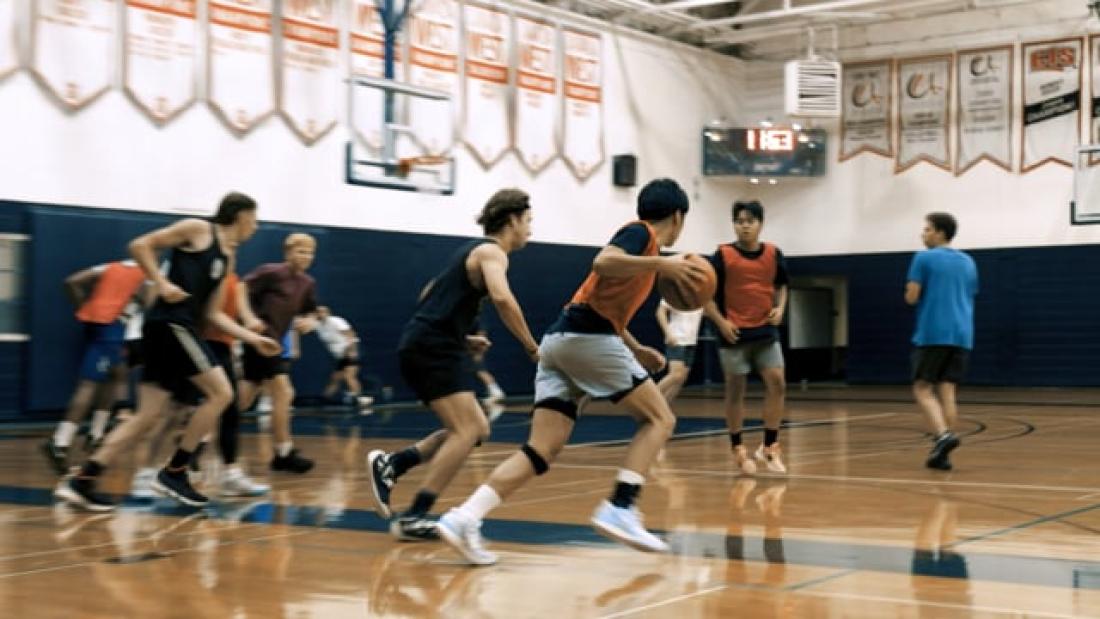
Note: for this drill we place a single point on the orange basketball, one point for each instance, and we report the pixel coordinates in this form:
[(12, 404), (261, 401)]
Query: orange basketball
[(696, 295)]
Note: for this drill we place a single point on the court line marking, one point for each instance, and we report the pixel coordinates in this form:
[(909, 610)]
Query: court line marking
[(673, 600), (847, 478), (813, 582), (909, 602)]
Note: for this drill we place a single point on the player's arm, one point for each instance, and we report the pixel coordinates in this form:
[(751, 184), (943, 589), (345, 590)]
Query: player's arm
[(249, 318), (306, 320), (912, 293), (79, 284), (493, 263), (650, 358), (662, 318), (223, 322), (775, 316), (144, 251)]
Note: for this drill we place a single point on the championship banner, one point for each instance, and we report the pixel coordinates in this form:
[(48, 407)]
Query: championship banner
[(582, 146), (433, 64), (74, 48), (488, 56), (239, 55), (368, 57), (9, 55), (866, 124), (536, 102), (984, 107), (1052, 102), (160, 55), (311, 49), (924, 95)]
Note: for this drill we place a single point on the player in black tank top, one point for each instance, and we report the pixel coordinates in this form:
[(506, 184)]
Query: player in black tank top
[(449, 307), (189, 292), (436, 362), (199, 273)]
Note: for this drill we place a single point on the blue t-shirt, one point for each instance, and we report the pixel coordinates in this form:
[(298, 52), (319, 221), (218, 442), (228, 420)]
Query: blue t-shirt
[(945, 313)]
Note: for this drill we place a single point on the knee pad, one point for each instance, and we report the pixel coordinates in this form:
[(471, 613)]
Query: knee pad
[(536, 460)]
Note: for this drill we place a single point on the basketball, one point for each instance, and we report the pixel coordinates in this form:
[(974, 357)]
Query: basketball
[(694, 297)]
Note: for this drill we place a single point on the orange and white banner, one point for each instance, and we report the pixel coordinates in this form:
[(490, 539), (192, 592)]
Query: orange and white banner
[(433, 64), (582, 145), (74, 48), (310, 84), (368, 57), (865, 125), (984, 107), (9, 56), (160, 55), (485, 126), (239, 52), (1052, 102), (924, 96), (536, 103)]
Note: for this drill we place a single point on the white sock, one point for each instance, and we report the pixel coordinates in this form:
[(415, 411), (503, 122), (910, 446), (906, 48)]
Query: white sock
[(284, 449), (63, 435), (630, 477), (481, 502), (99, 423)]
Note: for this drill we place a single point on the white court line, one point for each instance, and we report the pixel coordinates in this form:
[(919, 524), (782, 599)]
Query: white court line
[(1016, 612), (673, 600), (166, 554), (846, 478)]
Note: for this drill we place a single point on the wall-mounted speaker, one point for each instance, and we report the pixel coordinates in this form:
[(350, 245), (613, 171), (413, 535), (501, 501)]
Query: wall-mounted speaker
[(624, 170)]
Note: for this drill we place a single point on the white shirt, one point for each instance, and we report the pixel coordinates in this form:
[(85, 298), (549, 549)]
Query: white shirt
[(683, 327), (331, 331)]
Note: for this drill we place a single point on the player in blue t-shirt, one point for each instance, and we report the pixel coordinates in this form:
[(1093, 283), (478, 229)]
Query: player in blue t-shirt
[(942, 283)]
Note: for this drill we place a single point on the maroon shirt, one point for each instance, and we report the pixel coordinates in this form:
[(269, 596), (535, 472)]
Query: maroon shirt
[(277, 295)]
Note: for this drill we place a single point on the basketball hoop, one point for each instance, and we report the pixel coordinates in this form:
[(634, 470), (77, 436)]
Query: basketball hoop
[(406, 164)]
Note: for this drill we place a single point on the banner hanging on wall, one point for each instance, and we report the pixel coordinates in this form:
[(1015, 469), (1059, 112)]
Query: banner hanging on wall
[(485, 126), (239, 56), (866, 124), (74, 48), (984, 123), (368, 57), (1052, 102), (9, 55), (433, 64), (536, 101), (310, 44), (924, 95), (160, 55), (582, 145)]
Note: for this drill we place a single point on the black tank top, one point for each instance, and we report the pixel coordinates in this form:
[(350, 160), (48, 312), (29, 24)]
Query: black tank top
[(449, 309), (196, 272)]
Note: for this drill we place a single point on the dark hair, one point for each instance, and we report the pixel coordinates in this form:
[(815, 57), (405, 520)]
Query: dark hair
[(753, 207), (500, 208), (660, 198), (943, 222), (232, 204)]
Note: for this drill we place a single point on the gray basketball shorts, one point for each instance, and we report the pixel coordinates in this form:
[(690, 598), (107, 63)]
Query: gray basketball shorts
[(740, 359), (574, 364)]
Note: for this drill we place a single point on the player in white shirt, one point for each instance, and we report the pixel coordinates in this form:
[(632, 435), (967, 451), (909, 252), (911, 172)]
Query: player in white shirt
[(343, 344), (681, 331)]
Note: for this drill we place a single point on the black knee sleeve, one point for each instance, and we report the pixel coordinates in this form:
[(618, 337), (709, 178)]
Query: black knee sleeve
[(536, 460)]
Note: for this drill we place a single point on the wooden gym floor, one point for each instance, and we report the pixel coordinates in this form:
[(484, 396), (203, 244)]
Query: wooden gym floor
[(858, 529)]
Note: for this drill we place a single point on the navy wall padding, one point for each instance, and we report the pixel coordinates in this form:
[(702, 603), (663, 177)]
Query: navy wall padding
[(369, 277), (1037, 315)]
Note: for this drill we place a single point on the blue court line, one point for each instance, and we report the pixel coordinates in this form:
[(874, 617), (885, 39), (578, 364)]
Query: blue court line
[(776, 551)]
